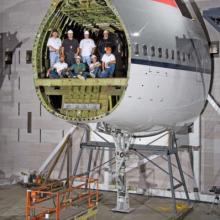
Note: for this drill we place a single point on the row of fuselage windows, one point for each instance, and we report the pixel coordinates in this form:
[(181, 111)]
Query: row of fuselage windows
[(160, 52)]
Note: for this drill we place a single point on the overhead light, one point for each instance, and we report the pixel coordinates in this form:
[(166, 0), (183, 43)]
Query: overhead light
[(136, 34)]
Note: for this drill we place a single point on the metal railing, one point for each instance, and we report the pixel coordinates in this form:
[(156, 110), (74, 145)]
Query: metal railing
[(51, 199)]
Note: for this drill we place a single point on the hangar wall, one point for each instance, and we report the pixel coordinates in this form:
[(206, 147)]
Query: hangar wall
[(21, 149), (210, 120)]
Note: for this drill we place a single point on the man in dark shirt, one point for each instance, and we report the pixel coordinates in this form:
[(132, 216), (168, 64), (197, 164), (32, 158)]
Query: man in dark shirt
[(70, 48), (105, 42)]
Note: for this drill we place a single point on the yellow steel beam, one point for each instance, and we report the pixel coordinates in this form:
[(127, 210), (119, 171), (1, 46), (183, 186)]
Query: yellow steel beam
[(77, 82)]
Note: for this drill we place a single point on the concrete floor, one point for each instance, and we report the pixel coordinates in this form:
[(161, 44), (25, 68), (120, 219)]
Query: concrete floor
[(12, 203)]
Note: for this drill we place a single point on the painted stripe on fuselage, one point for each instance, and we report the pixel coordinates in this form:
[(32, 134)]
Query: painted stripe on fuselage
[(168, 2), (169, 65)]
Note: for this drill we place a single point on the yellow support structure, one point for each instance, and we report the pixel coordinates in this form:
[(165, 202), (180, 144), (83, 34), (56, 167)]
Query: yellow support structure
[(77, 82), (87, 215)]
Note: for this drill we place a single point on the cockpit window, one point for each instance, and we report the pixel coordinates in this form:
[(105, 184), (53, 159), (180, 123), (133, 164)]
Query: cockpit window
[(183, 8)]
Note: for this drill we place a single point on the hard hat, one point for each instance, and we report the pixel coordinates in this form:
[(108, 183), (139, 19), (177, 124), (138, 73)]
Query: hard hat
[(108, 49), (86, 32), (70, 32)]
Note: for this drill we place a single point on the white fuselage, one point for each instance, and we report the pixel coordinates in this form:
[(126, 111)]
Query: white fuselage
[(167, 66), (162, 92), (159, 97)]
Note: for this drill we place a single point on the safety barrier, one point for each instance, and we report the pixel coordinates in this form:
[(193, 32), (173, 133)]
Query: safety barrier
[(48, 201)]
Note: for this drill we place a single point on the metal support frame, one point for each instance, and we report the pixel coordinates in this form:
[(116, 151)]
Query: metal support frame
[(63, 154), (77, 161), (89, 165), (172, 183), (182, 177), (122, 145), (62, 165), (63, 202), (172, 149), (56, 151), (69, 157), (85, 138), (195, 154)]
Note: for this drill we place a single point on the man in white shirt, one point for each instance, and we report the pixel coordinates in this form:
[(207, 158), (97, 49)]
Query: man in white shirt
[(87, 48), (54, 43), (108, 64), (59, 69)]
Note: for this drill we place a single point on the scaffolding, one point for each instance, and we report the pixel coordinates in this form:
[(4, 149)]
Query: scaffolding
[(73, 199)]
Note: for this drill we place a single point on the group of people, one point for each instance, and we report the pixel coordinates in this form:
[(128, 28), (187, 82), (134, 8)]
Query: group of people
[(78, 60)]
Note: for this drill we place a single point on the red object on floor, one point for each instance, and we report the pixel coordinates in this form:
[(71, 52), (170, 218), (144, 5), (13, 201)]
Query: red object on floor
[(168, 2)]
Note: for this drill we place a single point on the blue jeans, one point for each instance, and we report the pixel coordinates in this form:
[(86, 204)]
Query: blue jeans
[(86, 60), (96, 71), (108, 72), (54, 74), (74, 75), (54, 58)]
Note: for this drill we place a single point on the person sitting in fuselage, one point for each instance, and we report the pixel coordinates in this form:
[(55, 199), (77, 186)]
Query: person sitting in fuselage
[(108, 64), (94, 67), (78, 69), (59, 69)]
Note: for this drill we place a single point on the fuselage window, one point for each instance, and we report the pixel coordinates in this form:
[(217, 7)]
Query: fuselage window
[(167, 53), (159, 52), (183, 8), (8, 57), (153, 51), (184, 57), (189, 57), (173, 55), (136, 49), (144, 50), (178, 55)]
